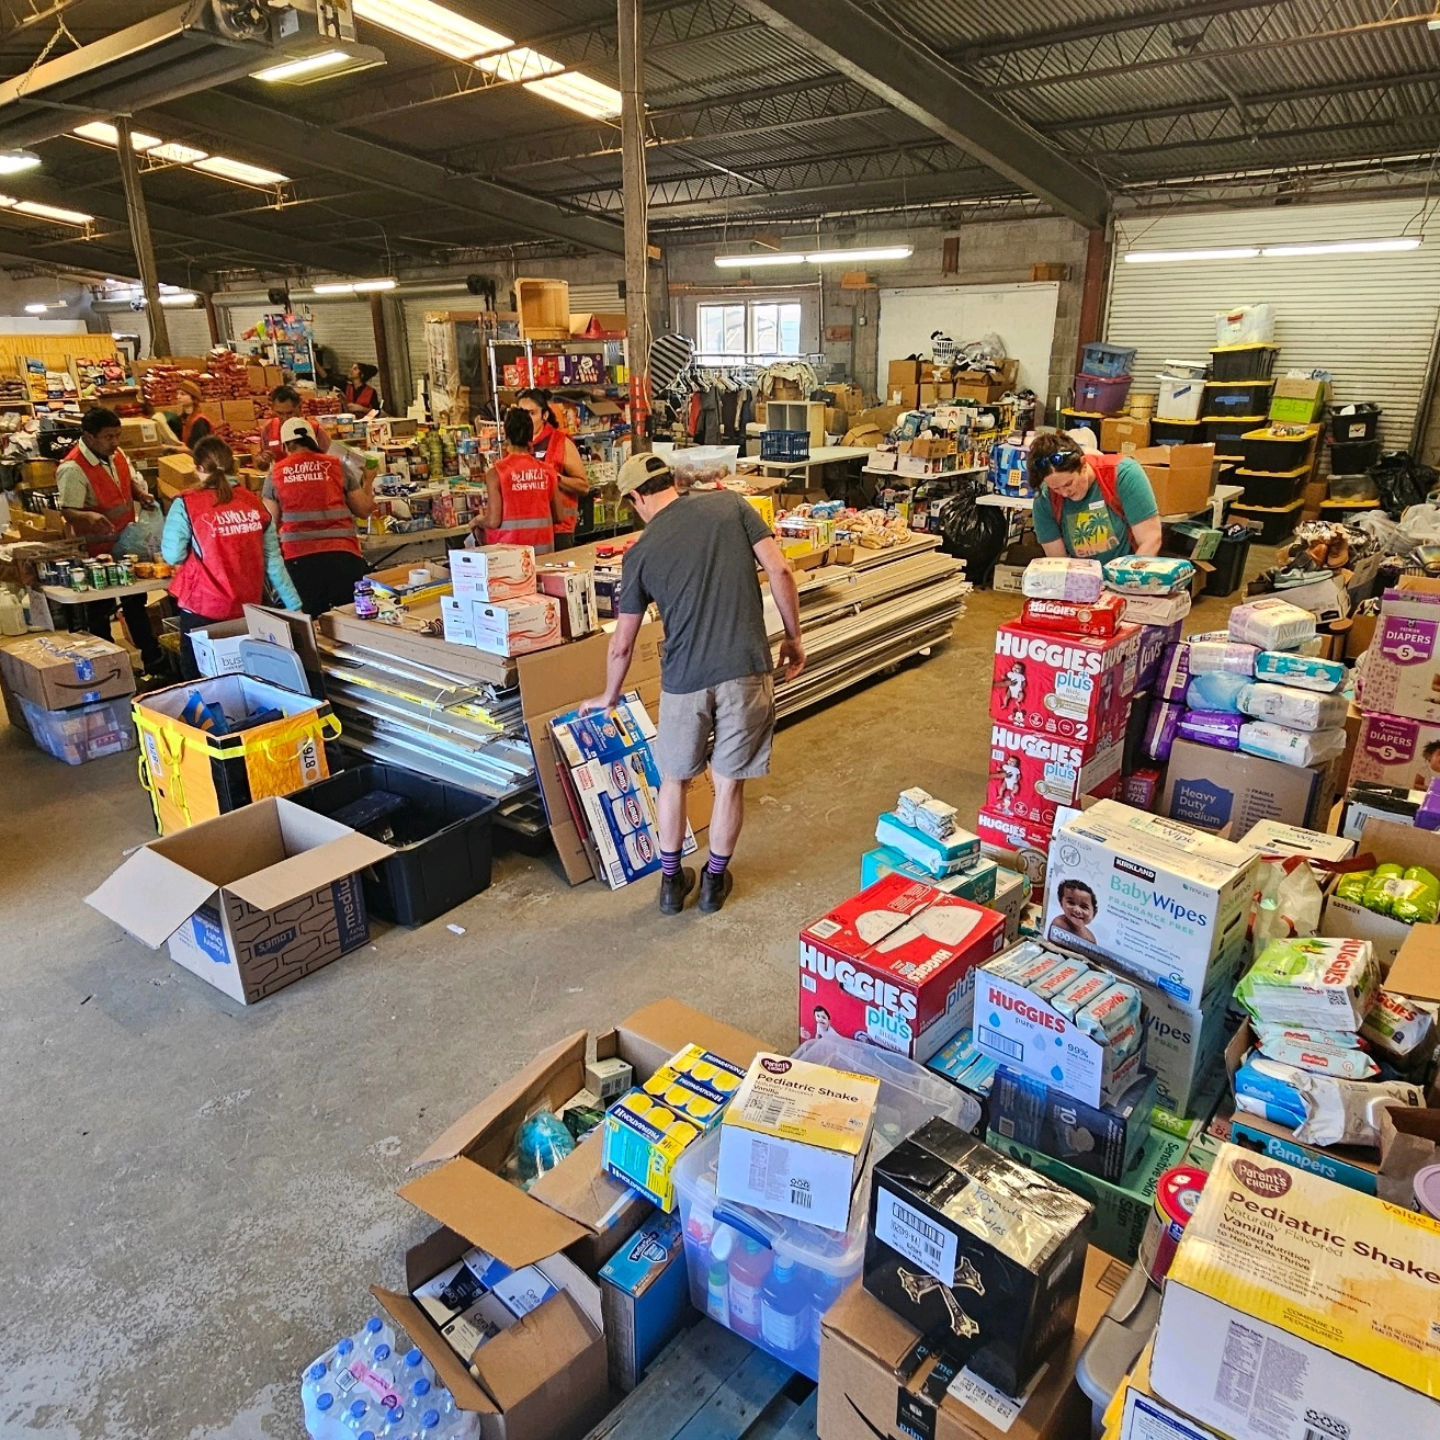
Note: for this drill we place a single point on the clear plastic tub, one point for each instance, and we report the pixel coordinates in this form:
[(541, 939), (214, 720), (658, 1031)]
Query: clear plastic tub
[(87, 732), (772, 1279), (700, 464)]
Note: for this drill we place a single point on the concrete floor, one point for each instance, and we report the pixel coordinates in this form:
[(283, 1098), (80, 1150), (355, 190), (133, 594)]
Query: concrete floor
[(197, 1196)]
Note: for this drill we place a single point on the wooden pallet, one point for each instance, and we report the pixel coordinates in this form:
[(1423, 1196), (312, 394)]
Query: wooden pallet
[(711, 1384)]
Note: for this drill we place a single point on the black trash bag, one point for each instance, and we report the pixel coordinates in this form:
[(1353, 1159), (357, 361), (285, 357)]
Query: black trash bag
[(1402, 481), (973, 533)]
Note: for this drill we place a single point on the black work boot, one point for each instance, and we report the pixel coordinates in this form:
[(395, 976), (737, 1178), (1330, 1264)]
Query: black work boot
[(715, 890), (675, 889)]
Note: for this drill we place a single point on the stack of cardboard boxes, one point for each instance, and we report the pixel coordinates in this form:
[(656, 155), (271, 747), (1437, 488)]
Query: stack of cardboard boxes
[(500, 602), (915, 384), (70, 693)]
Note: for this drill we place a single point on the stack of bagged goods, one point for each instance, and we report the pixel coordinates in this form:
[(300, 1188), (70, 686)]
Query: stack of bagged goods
[(1318, 1064), (1059, 702), (495, 602), (1398, 680)]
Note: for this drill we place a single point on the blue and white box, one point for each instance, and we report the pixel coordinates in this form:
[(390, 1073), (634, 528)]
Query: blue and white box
[(645, 1298)]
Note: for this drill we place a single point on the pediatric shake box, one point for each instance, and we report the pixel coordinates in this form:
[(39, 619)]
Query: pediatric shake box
[(1076, 687), (1032, 775), (1156, 899), (894, 966)]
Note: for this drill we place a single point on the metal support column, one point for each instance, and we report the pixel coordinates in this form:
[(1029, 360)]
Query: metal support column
[(637, 229), (212, 318), (140, 240), (382, 352)]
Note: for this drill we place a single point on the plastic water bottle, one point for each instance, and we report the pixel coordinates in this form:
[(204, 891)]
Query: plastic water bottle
[(315, 1383), (430, 1423), (395, 1426), (375, 1334), (413, 1368), (323, 1425), (358, 1419)]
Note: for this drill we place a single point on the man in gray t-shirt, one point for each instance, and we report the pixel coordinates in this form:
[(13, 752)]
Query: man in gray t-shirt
[(697, 562)]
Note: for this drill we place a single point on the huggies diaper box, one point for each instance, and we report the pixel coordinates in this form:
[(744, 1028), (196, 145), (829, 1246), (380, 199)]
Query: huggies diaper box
[(1032, 775), (1157, 899), (893, 966), (1076, 687)]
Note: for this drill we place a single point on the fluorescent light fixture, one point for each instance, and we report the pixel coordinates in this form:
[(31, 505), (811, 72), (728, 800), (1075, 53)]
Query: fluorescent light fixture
[(36, 307), (1167, 257), (760, 258), (104, 133), (176, 154), (436, 27), (306, 65), (873, 252), (178, 298), (578, 92), (52, 212), (335, 287), (1343, 247), (239, 171), (365, 287), (15, 162)]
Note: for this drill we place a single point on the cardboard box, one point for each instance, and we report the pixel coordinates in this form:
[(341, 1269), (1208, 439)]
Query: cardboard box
[(1120, 435), (1416, 971), (250, 901), (493, 572), (1032, 776), (877, 1384), (1182, 476), (1184, 1043), (890, 966), (60, 670), (574, 590), (1276, 838), (1213, 790), (793, 1139), (1387, 842), (138, 433), (1400, 672), (914, 397), (945, 1252), (458, 618), (1015, 842), (238, 414), (645, 1298), (175, 474), (1075, 687), (1346, 1328), (903, 372), (516, 627), (1168, 900)]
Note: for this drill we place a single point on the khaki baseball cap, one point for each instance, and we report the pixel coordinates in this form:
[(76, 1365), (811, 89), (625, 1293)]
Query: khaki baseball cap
[(638, 469), (296, 428)]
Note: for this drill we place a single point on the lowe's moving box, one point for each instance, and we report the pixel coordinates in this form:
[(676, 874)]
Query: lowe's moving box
[(1296, 1309), (251, 901)]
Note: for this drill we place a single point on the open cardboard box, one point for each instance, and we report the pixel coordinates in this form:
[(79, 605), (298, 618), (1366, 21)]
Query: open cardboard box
[(1182, 476), (1384, 840)]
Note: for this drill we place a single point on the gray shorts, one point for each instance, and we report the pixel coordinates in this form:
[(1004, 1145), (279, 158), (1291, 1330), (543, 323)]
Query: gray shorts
[(741, 716)]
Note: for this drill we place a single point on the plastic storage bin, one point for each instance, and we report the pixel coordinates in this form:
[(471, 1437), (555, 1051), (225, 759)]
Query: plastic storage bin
[(1111, 1352), (1108, 361), (1243, 362), (1179, 399), (1225, 398), (732, 1251), (1072, 418), (1105, 394), (1353, 457), (1353, 487), (1229, 561), (1270, 487), (1177, 432), (1276, 523), (441, 836), (1268, 450), (1296, 410), (1360, 423), (1225, 435), (82, 733), (784, 444)]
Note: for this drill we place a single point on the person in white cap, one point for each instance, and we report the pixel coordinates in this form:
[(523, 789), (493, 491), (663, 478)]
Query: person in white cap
[(698, 561), (315, 503)]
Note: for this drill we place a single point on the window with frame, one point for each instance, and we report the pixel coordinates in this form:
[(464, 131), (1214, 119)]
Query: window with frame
[(754, 329)]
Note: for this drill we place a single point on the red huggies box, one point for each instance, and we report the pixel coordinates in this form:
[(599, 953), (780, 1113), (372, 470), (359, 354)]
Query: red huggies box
[(1069, 617), (1076, 687), (1031, 775)]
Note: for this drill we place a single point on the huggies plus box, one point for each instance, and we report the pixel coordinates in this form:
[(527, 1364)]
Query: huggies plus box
[(1032, 775), (1075, 687), (1158, 900)]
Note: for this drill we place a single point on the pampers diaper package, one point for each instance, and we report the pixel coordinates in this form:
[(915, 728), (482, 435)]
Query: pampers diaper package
[(1158, 899), (1076, 687), (1148, 574), (1309, 672)]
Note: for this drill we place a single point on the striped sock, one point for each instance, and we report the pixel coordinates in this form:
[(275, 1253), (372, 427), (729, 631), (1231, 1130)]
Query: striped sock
[(669, 862), (716, 864)]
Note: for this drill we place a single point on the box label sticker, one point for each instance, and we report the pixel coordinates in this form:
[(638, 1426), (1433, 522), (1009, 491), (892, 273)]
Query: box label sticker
[(915, 1416), (1201, 803), (1000, 1409), (907, 1231), (1408, 642), (1146, 1418)]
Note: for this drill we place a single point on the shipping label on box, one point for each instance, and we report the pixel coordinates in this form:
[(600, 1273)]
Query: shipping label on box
[(456, 617), (1075, 687), (1397, 750), (516, 627), (494, 572), (1031, 776), (890, 966)]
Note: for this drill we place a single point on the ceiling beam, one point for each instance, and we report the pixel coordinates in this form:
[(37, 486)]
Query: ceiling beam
[(282, 137), (910, 78), (17, 248)]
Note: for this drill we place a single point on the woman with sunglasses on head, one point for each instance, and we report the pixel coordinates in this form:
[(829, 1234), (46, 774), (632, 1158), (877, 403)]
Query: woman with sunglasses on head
[(552, 445), (1091, 506)]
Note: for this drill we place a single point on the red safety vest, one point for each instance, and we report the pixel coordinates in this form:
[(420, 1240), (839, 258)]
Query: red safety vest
[(1106, 470), (551, 440), (526, 486), (114, 496), (225, 569), (270, 436), (187, 426), (365, 396), (314, 517)]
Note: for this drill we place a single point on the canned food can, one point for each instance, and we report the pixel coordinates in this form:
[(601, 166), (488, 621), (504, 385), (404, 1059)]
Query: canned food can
[(99, 575), (116, 572), (1177, 1193), (127, 572), (79, 577)]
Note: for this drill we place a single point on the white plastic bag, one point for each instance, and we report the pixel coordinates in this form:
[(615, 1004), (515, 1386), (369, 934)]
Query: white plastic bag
[(1287, 901), (1245, 325)]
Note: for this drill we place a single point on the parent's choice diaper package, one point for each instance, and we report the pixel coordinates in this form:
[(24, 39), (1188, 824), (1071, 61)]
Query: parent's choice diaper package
[(1294, 708), (1157, 899), (1271, 623), (1058, 577), (1291, 747), (1148, 574)]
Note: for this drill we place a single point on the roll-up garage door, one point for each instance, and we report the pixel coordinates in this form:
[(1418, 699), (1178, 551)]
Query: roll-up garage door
[(343, 325), (1368, 318), (188, 330)]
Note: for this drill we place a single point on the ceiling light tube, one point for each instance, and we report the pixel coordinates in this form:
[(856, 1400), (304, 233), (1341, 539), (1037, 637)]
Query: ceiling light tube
[(365, 287), (36, 307), (52, 212), (873, 252), (762, 257), (305, 65), (179, 298), (335, 287), (15, 162), (239, 171), (104, 133), (1168, 257), (1342, 247)]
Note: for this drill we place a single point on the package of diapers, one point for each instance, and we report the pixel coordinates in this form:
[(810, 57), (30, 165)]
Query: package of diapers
[(1296, 709), (1058, 577), (1292, 747), (1216, 691), (1222, 656), (1173, 675), (1148, 574), (1271, 624), (1161, 728), (1212, 727), (1309, 672)]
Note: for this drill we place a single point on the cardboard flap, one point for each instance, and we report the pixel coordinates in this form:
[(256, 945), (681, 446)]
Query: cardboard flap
[(457, 1136), (536, 1350), (448, 1365), (298, 875), (1416, 971), (584, 1190), (150, 897), (652, 1035), (491, 1213)]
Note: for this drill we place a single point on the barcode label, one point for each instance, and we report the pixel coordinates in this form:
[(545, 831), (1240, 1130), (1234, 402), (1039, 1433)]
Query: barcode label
[(1000, 1044), (1007, 1127), (917, 1238), (799, 1197)]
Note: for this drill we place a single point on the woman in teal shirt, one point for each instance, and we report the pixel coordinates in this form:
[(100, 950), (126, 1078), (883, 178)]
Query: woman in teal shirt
[(1088, 505)]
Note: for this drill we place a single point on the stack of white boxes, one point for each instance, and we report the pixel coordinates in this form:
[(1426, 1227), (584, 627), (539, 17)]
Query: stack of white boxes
[(495, 604)]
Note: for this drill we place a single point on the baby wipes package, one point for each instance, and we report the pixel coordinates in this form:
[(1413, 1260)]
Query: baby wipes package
[(1291, 747), (1314, 980), (946, 854), (893, 966), (1154, 607), (1229, 656), (1271, 623), (1399, 1029), (1309, 672), (1294, 708), (1031, 775), (1148, 574), (1156, 899), (1059, 577), (1075, 687)]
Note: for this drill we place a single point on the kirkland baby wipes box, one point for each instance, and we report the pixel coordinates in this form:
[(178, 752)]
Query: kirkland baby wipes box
[(1161, 900), (1075, 687), (1296, 1309), (793, 1139)]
